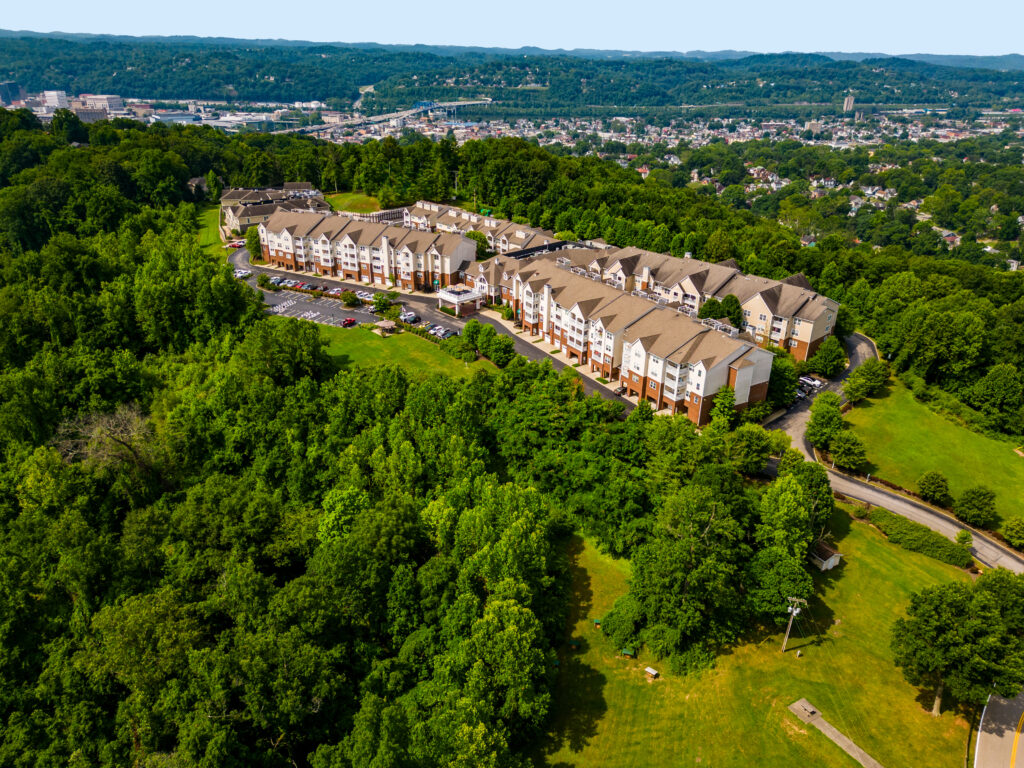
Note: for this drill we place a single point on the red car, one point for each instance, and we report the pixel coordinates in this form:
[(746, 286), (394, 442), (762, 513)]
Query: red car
[(348, 322)]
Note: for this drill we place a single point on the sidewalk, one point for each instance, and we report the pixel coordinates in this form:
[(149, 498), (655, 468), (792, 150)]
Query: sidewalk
[(583, 369)]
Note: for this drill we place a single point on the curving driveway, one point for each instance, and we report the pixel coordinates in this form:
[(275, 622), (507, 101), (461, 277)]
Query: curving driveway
[(426, 307), (859, 348)]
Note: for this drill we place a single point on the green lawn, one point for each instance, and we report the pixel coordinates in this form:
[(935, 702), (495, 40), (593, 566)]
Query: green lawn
[(209, 234), (353, 201), (609, 715), (904, 440), (351, 347)]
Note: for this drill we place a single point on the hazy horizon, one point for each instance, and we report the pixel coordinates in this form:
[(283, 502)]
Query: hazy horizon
[(887, 28)]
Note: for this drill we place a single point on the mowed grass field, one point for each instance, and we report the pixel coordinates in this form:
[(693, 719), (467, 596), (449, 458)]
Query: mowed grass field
[(353, 201), (209, 235), (904, 440), (351, 347), (608, 715)]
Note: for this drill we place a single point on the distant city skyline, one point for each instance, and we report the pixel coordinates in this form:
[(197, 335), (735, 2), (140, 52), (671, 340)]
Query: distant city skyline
[(940, 27)]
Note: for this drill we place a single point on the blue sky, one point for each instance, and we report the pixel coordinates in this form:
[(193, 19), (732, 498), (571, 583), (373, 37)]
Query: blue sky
[(885, 26)]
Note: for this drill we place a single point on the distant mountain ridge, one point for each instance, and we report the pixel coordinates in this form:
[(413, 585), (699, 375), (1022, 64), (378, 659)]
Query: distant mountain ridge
[(1005, 62)]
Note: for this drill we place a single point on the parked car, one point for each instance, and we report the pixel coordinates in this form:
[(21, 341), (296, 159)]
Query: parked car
[(276, 280), (619, 390), (437, 330), (448, 334), (348, 322), (810, 382), (334, 292), (236, 244)]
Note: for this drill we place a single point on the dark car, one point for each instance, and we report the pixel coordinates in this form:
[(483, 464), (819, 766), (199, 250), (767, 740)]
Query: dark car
[(619, 390), (348, 322)]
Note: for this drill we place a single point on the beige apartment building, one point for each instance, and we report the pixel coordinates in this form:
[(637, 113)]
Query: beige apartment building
[(657, 352), (377, 254), (503, 236)]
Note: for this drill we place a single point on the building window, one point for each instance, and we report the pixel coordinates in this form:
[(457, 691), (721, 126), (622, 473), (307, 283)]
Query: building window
[(635, 377), (652, 384), (763, 317)]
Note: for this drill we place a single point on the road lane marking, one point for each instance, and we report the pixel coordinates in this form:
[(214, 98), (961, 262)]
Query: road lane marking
[(1016, 740)]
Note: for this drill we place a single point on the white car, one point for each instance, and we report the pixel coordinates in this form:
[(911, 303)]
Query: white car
[(365, 295)]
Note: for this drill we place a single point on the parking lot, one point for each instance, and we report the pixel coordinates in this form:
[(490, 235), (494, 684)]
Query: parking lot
[(330, 311)]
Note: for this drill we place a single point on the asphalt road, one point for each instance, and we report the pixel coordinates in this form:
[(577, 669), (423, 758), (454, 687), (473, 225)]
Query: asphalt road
[(329, 311), (794, 422), (859, 348), (999, 734)]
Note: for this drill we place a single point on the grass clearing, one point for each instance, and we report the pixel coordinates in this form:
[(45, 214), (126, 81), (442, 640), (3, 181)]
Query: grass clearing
[(351, 347), (209, 232), (353, 201), (904, 440), (607, 714)]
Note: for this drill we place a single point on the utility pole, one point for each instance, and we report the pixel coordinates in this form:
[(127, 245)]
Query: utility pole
[(793, 612)]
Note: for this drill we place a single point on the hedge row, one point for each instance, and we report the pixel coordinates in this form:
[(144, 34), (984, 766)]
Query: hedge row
[(919, 538)]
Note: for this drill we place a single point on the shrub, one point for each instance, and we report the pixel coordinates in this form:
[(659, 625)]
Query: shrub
[(919, 538), (830, 358), (263, 281), (507, 313), (501, 351), (252, 244), (472, 331), (1014, 532), (848, 451), (934, 487), (826, 420), (694, 660), (448, 311), (866, 380), (349, 299), (757, 412), (977, 507), (459, 348), (622, 624)]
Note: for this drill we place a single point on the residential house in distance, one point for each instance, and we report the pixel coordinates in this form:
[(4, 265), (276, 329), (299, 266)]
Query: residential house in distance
[(379, 254)]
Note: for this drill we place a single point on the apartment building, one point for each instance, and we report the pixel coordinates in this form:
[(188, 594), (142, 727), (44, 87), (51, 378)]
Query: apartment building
[(658, 353), (242, 208), (377, 253), (784, 313), (239, 218), (503, 236)]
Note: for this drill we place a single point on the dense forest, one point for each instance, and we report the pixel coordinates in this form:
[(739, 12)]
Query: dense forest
[(949, 319), (523, 84), (217, 549)]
